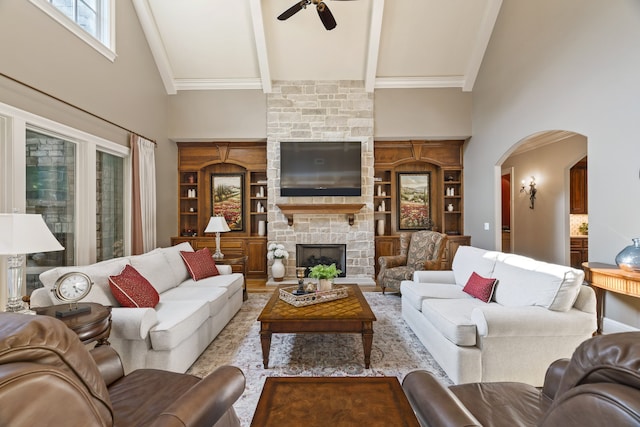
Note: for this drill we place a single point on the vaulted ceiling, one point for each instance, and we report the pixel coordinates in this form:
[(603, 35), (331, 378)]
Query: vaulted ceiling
[(240, 44)]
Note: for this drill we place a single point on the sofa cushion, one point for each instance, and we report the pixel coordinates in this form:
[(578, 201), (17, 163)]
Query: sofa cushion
[(232, 282), (215, 296), (174, 259), (155, 268), (469, 259), (552, 286), (131, 289), (99, 273), (413, 293), (452, 317), (480, 287), (177, 320), (200, 264)]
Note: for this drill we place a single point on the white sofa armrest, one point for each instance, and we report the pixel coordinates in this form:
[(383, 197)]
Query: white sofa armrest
[(496, 320), (132, 323), (41, 297), (434, 276)]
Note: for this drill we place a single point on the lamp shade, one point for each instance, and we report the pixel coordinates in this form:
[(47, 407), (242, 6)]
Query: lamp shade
[(26, 234), (217, 224)]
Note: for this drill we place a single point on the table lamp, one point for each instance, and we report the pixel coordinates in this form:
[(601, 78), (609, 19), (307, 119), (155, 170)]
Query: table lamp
[(217, 225), (22, 234)]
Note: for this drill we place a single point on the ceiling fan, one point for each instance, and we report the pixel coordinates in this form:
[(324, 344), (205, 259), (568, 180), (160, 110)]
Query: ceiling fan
[(323, 12)]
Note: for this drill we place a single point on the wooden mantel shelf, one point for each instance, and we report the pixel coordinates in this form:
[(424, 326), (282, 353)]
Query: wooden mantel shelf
[(350, 209)]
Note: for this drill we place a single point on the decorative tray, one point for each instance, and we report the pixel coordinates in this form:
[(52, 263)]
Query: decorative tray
[(315, 297)]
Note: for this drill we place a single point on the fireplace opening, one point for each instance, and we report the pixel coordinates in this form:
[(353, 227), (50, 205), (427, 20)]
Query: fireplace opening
[(311, 255)]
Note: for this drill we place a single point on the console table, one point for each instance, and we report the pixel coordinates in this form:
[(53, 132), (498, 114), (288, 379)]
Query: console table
[(606, 277)]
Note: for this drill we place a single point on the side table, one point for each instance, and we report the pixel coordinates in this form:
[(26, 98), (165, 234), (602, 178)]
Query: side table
[(94, 325), (242, 262)]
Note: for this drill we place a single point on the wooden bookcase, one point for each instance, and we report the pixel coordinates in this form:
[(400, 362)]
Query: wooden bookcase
[(197, 162), (442, 160)]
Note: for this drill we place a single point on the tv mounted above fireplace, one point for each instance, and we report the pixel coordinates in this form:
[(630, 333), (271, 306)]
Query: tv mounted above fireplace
[(320, 168)]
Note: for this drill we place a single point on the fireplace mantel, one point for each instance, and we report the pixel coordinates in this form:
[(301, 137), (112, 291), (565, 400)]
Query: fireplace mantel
[(350, 209)]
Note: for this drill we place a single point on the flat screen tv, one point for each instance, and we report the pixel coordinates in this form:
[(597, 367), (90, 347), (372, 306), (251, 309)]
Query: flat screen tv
[(325, 168)]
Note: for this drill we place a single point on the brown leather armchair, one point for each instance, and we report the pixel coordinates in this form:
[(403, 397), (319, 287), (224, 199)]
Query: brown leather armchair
[(48, 377), (420, 250), (599, 386)]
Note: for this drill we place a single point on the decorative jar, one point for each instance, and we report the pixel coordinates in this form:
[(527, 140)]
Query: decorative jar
[(629, 258), (277, 270)]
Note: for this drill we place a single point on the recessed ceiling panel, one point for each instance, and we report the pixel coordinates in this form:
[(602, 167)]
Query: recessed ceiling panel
[(207, 39)]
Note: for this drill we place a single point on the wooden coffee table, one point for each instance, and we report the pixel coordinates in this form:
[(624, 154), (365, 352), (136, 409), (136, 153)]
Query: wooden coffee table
[(346, 315), (333, 401)]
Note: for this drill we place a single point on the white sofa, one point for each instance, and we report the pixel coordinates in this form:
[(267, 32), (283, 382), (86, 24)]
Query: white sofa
[(539, 312), (172, 335)]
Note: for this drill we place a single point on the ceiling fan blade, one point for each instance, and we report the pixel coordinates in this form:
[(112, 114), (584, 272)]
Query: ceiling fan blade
[(293, 10), (326, 16)]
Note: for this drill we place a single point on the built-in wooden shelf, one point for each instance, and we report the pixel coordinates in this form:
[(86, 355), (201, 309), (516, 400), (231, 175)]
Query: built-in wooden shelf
[(349, 209)]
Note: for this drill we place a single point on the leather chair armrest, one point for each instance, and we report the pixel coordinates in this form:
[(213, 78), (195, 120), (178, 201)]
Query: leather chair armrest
[(431, 265), (434, 404), (552, 378), (389, 261), (207, 401), (109, 363)]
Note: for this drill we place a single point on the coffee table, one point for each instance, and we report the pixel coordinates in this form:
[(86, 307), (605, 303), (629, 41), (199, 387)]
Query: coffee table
[(346, 315), (333, 401)]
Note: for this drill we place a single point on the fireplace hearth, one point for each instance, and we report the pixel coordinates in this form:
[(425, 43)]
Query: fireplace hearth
[(311, 255)]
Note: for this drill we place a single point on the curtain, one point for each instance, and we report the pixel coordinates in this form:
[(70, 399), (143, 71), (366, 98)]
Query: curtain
[(143, 209)]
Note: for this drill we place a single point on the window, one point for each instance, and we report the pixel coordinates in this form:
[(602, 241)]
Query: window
[(109, 206), (93, 21), (78, 182)]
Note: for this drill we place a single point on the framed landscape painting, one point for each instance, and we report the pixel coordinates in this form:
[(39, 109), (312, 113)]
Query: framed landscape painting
[(228, 199), (414, 201)]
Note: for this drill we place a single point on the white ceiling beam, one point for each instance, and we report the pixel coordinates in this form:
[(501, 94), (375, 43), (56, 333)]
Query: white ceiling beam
[(261, 44), (419, 82), (148, 23), (482, 41), (377, 11), (218, 84)]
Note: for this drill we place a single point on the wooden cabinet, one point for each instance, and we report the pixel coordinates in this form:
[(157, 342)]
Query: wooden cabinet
[(578, 194), (452, 247), (382, 201), (579, 247), (198, 162), (452, 205)]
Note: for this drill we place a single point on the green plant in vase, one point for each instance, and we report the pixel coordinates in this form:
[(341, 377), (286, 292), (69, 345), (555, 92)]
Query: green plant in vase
[(325, 275)]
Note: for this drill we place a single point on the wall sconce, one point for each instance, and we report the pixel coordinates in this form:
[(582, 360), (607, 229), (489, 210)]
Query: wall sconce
[(531, 191)]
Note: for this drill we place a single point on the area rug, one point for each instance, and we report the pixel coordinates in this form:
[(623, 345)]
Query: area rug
[(396, 351)]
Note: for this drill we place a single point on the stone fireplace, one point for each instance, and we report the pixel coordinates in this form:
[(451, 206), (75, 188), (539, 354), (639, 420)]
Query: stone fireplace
[(311, 255), (322, 111)]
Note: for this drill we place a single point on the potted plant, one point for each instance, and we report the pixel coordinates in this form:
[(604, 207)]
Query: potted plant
[(325, 275)]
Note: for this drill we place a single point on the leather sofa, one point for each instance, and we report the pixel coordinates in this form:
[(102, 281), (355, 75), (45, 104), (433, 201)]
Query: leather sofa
[(537, 313), (599, 386), (48, 377), (173, 334)]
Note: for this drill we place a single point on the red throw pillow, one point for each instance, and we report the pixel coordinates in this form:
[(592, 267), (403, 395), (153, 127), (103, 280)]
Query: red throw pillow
[(480, 287), (131, 289), (200, 264)]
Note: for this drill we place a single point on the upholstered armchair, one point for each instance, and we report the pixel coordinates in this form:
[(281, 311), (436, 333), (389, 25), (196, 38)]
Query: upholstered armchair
[(421, 250), (600, 385), (48, 377)]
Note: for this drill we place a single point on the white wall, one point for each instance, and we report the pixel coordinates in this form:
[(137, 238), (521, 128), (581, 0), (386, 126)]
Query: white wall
[(570, 65)]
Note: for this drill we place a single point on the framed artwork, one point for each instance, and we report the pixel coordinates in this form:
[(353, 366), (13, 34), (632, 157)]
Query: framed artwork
[(228, 199), (414, 201)]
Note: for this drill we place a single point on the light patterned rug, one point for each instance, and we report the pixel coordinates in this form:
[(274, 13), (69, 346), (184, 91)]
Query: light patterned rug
[(396, 351)]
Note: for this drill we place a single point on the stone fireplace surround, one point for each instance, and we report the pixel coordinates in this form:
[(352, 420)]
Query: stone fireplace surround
[(322, 111)]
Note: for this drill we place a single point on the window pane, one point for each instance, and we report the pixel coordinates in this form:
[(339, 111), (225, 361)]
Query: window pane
[(65, 6), (87, 19), (51, 192), (109, 206)]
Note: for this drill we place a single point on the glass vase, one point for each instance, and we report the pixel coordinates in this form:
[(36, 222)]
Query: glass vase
[(629, 258)]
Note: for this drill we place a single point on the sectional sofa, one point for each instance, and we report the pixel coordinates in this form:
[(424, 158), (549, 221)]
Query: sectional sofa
[(171, 335), (535, 313)]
